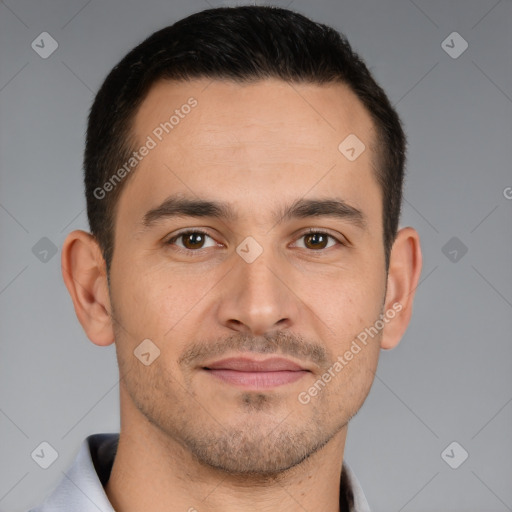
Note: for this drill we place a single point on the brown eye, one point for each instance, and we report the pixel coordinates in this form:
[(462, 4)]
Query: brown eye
[(318, 240), (191, 240), (315, 240)]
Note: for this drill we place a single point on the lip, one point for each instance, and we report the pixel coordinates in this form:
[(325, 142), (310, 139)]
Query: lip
[(255, 374), (245, 364)]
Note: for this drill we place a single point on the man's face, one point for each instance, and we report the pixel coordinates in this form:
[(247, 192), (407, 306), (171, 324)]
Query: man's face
[(203, 298)]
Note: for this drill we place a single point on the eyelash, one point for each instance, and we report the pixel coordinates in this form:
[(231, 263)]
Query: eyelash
[(191, 252)]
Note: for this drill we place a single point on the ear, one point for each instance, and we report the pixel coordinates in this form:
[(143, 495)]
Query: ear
[(85, 276), (403, 276)]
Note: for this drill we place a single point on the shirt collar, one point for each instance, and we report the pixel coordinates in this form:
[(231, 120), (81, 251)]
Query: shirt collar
[(82, 489)]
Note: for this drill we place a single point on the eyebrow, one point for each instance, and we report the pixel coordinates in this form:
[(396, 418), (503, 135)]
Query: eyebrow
[(175, 206)]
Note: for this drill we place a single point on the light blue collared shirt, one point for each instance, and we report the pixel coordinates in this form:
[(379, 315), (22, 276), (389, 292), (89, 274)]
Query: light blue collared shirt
[(81, 489)]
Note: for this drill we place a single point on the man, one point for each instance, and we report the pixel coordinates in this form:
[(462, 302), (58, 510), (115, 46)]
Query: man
[(243, 176)]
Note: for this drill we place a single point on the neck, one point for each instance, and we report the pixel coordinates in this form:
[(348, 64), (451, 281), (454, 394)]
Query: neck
[(153, 472)]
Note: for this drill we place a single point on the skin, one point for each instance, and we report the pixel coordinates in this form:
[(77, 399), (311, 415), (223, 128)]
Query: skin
[(189, 440)]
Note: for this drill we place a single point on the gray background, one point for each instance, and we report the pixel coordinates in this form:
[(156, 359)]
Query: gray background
[(448, 380)]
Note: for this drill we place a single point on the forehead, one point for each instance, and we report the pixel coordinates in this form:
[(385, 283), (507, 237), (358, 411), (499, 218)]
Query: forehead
[(263, 109), (249, 143)]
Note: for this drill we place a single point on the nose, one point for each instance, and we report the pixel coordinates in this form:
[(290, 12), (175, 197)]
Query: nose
[(257, 297)]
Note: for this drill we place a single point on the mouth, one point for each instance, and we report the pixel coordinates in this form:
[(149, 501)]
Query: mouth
[(251, 373)]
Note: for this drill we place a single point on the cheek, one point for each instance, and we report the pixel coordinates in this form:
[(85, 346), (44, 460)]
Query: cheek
[(356, 377), (161, 304), (347, 304), (142, 289)]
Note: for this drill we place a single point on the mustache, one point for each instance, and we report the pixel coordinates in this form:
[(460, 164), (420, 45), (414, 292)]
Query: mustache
[(279, 342)]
